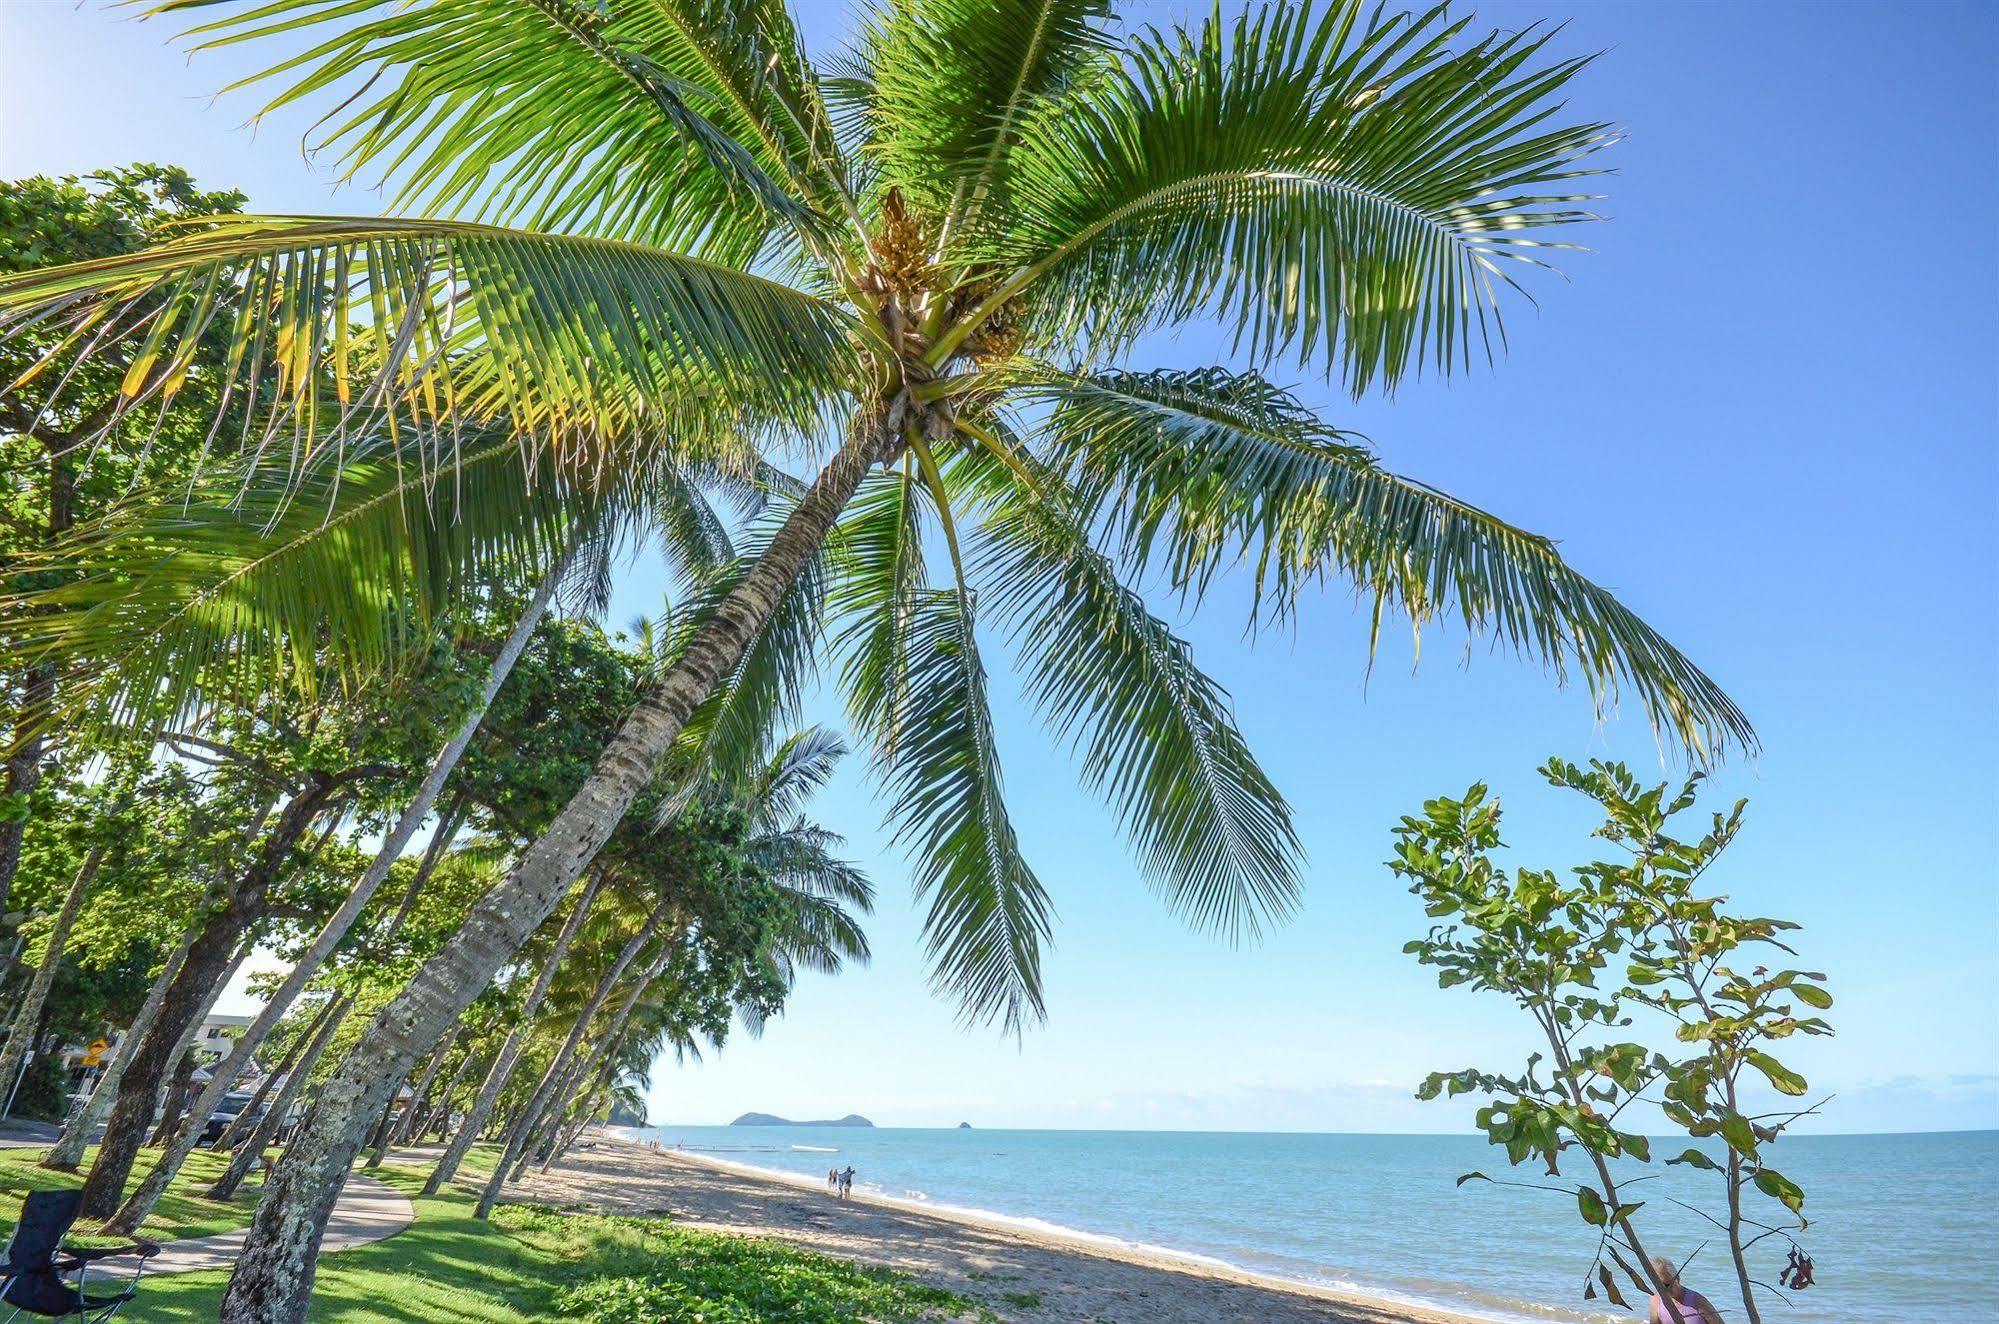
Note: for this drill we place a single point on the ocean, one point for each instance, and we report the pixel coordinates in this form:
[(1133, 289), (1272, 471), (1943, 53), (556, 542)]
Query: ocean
[(1902, 1226)]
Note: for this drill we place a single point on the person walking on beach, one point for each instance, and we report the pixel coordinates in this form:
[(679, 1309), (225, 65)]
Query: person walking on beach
[(847, 1183), (1680, 1305), (833, 1180)]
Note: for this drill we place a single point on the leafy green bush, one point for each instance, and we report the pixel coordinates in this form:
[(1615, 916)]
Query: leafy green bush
[(663, 1274)]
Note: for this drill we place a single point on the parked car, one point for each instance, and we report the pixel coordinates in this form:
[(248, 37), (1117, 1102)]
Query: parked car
[(227, 1110)]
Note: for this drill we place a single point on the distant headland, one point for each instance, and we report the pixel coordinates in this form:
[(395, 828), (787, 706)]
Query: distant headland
[(766, 1119)]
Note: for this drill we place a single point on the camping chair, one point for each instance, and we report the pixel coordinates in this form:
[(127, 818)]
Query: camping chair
[(32, 1279)]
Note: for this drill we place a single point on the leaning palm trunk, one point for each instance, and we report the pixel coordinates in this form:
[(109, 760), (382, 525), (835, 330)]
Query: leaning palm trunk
[(601, 1060), (29, 1014), (531, 1145), (132, 1106), (141, 1201), (232, 926), (393, 1129), (273, 1279), (252, 1110), (69, 1147), (502, 1070), (439, 1105), (552, 1080), (252, 1148)]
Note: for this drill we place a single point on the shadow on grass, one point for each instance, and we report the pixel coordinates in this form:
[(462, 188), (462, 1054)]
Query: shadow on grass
[(181, 1213)]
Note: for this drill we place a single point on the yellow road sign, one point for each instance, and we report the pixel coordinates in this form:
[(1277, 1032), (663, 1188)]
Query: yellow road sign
[(94, 1055)]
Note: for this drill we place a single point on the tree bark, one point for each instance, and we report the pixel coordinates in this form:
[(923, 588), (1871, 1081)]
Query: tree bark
[(187, 1001), (192, 991), (273, 1279), (179, 1081), (69, 1147), (24, 774), (267, 1126), (251, 1110), (603, 1054), (29, 1013), (438, 1105), (149, 1191), (420, 1096), (502, 1070), (544, 1094)]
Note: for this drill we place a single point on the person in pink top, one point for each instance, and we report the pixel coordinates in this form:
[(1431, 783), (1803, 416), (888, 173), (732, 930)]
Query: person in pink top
[(1679, 1305)]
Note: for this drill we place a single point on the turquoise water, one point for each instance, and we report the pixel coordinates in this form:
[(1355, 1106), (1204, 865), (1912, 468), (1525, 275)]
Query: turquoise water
[(1903, 1227)]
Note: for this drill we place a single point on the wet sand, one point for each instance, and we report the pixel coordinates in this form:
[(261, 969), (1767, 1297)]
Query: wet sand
[(1018, 1274)]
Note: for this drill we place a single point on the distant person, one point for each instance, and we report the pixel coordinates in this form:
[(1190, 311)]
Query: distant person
[(847, 1183), (1680, 1305), (833, 1180)]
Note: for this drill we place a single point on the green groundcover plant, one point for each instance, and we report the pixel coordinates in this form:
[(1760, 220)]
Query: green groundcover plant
[(714, 1279)]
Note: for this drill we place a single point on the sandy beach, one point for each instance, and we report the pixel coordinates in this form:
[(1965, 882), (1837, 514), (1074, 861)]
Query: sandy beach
[(1019, 1274)]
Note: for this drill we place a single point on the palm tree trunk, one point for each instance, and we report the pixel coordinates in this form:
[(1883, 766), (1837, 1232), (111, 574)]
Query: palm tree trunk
[(29, 1014), (530, 1144), (420, 1096), (69, 1147), (577, 1124), (439, 1104), (178, 1081), (502, 1070), (24, 770), (194, 990), (603, 1054), (149, 1191), (251, 1110), (266, 1126), (273, 1279), (209, 966), (545, 1093)]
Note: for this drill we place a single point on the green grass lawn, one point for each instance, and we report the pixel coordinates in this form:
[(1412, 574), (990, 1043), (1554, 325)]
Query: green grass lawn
[(182, 1212), (533, 1263)]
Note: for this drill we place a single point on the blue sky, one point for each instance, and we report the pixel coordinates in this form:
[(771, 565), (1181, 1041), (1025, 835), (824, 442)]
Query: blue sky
[(1762, 409)]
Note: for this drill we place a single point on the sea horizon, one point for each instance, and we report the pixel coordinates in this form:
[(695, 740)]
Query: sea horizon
[(1380, 1214), (1796, 1133)]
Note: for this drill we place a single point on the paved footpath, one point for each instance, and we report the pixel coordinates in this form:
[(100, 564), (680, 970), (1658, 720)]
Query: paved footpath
[(366, 1211)]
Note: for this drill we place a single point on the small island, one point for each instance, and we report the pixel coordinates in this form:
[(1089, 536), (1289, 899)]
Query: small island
[(767, 1119), (964, 1126)]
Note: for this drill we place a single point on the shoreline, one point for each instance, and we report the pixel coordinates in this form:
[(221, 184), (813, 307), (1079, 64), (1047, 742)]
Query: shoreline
[(1065, 1273)]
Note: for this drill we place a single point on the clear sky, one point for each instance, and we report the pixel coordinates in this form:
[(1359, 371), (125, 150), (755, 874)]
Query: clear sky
[(1763, 409)]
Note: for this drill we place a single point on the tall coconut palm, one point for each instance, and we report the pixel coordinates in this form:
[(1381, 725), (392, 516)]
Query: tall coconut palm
[(963, 237)]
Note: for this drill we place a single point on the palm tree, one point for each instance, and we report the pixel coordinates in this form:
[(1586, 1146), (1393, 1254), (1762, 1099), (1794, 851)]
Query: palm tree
[(963, 237)]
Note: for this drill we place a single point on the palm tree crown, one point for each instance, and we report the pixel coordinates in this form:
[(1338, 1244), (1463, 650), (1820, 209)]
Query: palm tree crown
[(673, 243)]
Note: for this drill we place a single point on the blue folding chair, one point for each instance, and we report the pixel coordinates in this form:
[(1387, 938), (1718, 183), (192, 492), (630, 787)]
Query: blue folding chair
[(34, 1280)]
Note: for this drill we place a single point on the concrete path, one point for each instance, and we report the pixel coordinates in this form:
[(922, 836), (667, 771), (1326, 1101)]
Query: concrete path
[(366, 1211)]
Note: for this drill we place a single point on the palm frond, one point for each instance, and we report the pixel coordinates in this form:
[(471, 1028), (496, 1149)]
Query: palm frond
[(1344, 188), (803, 859), (797, 768), (820, 935), (988, 915), (1156, 736), (1199, 470), (872, 601), (576, 342), (553, 114), (947, 83), (260, 578)]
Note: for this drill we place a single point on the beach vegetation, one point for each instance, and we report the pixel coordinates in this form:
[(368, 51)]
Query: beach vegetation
[(656, 256), (530, 1263), (1629, 970)]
